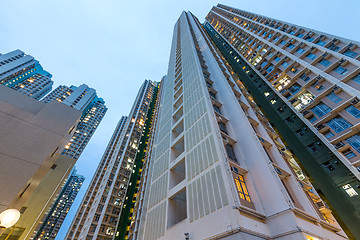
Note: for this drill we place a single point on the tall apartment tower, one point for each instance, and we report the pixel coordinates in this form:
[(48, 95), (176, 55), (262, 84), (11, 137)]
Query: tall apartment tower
[(50, 226), (24, 74), (99, 211), (217, 169), (308, 84), (84, 99)]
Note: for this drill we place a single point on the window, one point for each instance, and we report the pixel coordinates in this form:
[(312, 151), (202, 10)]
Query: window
[(277, 59), (349, 154), (300, 50), (325, 62), (285, 64), (273, 101), (321, 109), (241, 188), (329, 166), (349, 190), (283, 42), (230, 152), (300, 35), (328, 134), (309, 39), (311, 56), (276, 38), (356, 78), (263, 64), (313, 147), (312, 119), (291, 46), (338, 124), (333, 97), (341, 70), (305, 77), (294, 88), (350, 53), (270, 68), (320, 43), (294, 70), (353, 111), (318, 86), (354, 141), (334, 47)]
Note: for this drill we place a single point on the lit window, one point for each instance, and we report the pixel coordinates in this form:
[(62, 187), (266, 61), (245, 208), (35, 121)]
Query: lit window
[(241, 188), (273, 101), (318, 86), (349, 190), (266, 94)]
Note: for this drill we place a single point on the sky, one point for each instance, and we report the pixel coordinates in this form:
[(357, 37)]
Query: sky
[(114, 45)]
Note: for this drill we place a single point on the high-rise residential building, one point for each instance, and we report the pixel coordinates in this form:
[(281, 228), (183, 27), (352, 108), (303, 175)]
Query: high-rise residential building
[(24, 74), (218, 170), (33, 135), (51, 224), (85, 99), (99, 211), (308, 83)]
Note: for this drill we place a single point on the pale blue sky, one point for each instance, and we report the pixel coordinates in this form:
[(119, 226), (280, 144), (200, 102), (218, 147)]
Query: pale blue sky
[(113, 45)]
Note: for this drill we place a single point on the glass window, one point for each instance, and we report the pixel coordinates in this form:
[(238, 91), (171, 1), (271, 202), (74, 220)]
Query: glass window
[(354, 141), (328, 134), (325, 62), (334, 47), (300, 35), (349, 154), (353, 111), (350, 53), (300, 50), (309, 39), (283, 42), (320, 43), (341, 70), (333, 97), (321, 109), (285, 64), (270, 68), (277, 59), (230, 152), (263, 64), (241, 188), (276, 38), (338, 124), (294, 88), (312, 119), (305, 77), (311, 56), (356, 78), (291, 46)]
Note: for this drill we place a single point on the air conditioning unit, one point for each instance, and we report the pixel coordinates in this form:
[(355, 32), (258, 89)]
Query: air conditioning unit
[(339, 145), (354, 101)]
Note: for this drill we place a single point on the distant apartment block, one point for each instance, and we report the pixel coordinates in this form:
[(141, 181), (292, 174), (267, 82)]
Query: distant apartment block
[(24, 74)]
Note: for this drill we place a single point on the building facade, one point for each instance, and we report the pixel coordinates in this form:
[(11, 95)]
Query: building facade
[(218, 170), (308, 84), (99, 211), (84, 99), (33, 135), (50, 226), (24, 74)]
